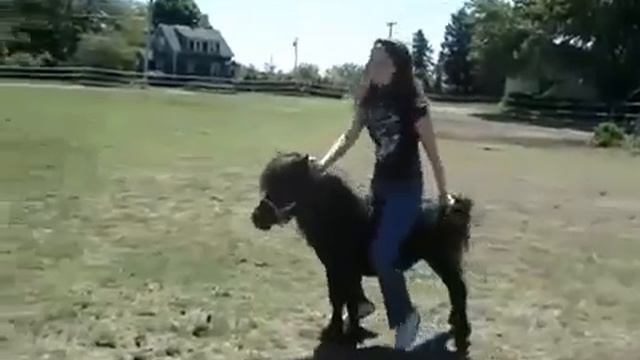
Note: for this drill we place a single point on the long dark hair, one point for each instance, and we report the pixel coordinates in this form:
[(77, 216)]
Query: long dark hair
[(401, 93)]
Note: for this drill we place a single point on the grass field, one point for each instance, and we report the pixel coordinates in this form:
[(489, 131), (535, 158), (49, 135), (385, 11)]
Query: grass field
[(125, 232)]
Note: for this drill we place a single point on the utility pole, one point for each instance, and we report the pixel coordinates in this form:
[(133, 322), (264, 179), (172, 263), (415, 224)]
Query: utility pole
[(391, 24), (147, 48), (295, 54)]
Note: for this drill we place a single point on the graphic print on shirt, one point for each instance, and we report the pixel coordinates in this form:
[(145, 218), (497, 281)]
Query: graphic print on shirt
[(385, 128)]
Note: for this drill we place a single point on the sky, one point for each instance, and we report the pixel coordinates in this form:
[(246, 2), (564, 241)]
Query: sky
[(330, 32)]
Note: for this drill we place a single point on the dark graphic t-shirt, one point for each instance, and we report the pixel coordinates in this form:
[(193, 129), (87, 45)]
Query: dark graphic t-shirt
[(395, 138)]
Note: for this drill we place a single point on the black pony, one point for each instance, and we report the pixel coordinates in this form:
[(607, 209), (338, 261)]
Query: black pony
[(338, 224)]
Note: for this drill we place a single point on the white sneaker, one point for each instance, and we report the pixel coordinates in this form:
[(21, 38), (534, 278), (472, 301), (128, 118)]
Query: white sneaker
[(407, 332)]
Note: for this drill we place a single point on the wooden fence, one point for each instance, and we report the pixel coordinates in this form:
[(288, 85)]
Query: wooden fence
[(627, 114), (113, 78)]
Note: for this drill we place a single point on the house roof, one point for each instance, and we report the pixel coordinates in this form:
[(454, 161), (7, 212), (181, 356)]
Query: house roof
[(170, 34), (171, 31)]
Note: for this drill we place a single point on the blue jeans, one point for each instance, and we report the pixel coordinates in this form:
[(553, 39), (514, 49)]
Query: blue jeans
[(397, 207)]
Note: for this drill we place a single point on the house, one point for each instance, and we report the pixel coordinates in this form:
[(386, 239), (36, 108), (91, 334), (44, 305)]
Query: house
[(182, 50), (563, 85), (551, 74)]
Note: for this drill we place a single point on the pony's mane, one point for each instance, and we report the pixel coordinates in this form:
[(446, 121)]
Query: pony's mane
[(340, 190), (339, 178), (333, 181)]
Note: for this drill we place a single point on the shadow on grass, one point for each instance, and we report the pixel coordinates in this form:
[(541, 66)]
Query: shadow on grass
[(554, 123), (432, 349)]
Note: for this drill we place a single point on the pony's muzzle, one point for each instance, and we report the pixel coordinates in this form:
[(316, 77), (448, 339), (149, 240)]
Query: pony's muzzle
[(261, 218)]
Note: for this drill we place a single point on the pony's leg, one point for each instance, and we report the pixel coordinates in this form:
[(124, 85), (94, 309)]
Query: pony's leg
[(449, 270), (358, 307), (364, 306), (333, 332)]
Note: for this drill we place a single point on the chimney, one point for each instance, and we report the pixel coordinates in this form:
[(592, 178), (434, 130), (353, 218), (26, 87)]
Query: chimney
[(204, 22)]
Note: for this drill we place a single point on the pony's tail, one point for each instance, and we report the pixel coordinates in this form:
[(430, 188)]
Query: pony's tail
[(462, 210)]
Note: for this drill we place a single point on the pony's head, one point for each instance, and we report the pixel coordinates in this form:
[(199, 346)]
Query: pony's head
[(283, 184)]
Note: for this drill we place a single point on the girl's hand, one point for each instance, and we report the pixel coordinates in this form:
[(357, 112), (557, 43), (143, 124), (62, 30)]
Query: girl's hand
[(445, 199), (315, 162)]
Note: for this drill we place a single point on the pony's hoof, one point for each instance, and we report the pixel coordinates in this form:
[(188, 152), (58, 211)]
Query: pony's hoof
[(332, 334), (365, 309), (463, 356), (358, 334), (462, 350)]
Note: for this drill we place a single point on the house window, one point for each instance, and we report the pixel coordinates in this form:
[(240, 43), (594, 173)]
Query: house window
[(192, 45), (205, 47), (217, 48)]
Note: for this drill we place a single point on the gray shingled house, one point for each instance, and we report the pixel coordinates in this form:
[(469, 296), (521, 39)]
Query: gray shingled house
[(183, 50)]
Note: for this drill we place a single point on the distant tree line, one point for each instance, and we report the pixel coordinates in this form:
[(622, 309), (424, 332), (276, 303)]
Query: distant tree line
[(107, 33), (488, 40), (485, 42)]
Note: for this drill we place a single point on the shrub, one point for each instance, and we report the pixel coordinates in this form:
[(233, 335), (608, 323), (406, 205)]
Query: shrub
[(26, 59), (21, 59), (45, 59), (105, 51), (608, 134), (4, 52)]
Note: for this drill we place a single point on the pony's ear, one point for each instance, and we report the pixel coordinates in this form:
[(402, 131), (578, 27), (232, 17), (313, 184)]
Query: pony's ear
[(303, 163)]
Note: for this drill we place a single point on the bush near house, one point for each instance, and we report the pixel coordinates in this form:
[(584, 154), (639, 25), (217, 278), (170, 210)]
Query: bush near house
[(106, 51), (26, 59)]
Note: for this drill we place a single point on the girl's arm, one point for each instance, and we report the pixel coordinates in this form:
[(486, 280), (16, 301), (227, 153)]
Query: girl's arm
[(428, 140), (343, 144)]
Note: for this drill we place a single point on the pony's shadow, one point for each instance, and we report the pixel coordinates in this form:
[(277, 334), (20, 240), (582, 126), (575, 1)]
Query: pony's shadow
[(434, 348)]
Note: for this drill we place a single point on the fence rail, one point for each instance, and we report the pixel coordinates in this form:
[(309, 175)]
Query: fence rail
[(626, 114), (108, 78)]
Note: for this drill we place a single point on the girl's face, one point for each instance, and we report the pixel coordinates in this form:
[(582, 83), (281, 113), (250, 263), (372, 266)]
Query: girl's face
[(381, 67)]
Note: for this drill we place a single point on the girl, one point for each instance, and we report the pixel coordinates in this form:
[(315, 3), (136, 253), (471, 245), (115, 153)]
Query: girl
[(392, 107)]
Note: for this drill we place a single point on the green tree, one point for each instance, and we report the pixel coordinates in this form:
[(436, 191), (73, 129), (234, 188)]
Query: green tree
[(307, 72), (422, 53), (269, 68), (496, 35), (47, 26), (133, 25), (597, 39), (456, 50), (609, 34), (56, 26), (176, 12), (348, 74), (438, 75), (108, 50), (4, 52)]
